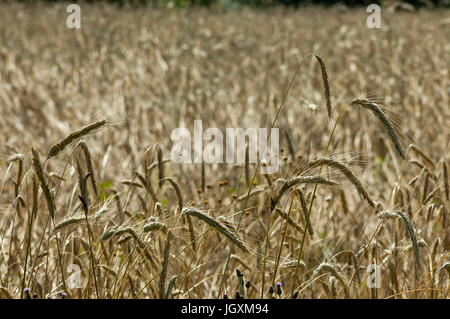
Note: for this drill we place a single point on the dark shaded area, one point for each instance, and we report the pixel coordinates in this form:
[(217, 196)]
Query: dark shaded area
[(266, 3)]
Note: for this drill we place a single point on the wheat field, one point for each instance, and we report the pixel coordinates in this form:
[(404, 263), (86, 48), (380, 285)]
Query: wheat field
[(91, 205)]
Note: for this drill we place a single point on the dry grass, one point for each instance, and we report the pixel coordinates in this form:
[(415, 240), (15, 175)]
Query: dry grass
[(140, 226)]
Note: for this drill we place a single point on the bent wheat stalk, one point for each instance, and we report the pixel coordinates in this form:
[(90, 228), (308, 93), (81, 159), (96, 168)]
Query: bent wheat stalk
[(116, 232), (177, 191), (156, 226), (326, 84), (427, 159), (164, 267), (445, 176), (69, 221), (51, 207), (299, 180), (58, 147), (44, 186), (347, 173), (331, 269), (180, 206), (160, 165), (409, 227), (387, 124), (305, 212), (190, 211), (87, 157), (289, 220)]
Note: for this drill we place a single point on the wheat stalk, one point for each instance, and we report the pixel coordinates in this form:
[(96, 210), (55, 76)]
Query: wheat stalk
[(69, 221), (347, 173), (445, 176), (156, 226), (190, 211), (326, 84), (88, 158), (164, 267), (331, 269), (422, 154), (427, 159), (177, 191), (289, 220), (51, 207), (116, 232), (305, 211), (160, 165), (387, 124), (293, 264), (45, 189), (299, 180), (255, 191), (247, 166), (58, 147), (409, 227)]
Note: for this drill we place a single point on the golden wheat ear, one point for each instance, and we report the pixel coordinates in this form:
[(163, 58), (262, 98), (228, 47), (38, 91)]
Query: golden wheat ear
[(326, 83), (347, 172), (385, 121), (216, 224), (386, 214), (58, 147)]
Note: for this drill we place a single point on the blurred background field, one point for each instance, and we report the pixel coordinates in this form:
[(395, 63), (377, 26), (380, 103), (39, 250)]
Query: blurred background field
[(150, 70), (228, 4)]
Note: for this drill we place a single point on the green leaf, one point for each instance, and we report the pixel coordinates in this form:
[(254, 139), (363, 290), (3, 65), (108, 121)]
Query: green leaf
[(105, 185)]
